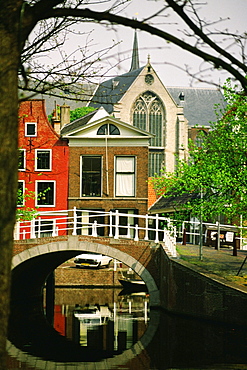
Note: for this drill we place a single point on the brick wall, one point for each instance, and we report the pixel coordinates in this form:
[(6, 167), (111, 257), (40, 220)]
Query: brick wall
[(107, 201)]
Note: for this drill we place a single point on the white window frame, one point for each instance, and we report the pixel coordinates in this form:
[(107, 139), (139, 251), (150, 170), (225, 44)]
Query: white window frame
[(101, 179), (117, 192), (23, 192), (36, 194), (24, 160), (30, 123), (36, 160)]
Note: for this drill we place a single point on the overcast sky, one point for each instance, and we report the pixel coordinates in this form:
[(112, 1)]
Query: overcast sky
[(162, 55)]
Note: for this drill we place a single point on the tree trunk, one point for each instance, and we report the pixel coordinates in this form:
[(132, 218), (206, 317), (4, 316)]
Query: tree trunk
[(9, 59)]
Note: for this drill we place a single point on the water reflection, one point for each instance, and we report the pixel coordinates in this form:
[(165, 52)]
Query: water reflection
[(128, 336), (113, 326)]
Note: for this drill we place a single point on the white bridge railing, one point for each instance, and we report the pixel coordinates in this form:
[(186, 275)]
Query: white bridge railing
[(96, 223)]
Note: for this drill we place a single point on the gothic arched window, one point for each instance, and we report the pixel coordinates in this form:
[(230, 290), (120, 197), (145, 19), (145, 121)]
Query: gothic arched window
[(148, 114)]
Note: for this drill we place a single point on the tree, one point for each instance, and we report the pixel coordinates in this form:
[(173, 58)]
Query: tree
[(218, 167), (32, 27), (80, 112)]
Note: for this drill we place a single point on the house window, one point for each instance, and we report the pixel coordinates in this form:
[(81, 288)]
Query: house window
[(108, 129), (125, 176), (126, 223), (22, 160), (91, 170), (43, 159), (43, 228), (85, 221), (200, 138), (155, 162), (20, 193), (45, 193), (30, 129)]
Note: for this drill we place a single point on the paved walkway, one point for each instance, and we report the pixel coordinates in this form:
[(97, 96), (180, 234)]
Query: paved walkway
[(219, 262)]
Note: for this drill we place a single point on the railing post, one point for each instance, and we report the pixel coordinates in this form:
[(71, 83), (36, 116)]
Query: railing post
[(17, 231), (110, 229), (136, 239), (157, 228), (39, 226), (116, 225), (165, 235), (32, 229), (146, 227), (128, 231), (54, 228), (74, 221), (94, 228)]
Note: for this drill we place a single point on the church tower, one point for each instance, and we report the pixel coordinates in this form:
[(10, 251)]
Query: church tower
[(135, 55)]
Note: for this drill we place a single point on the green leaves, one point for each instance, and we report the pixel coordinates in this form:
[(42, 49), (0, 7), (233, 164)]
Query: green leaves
[(218, 167)]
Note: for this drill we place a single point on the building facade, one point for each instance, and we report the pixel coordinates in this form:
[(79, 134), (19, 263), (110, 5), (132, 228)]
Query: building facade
[(108, 169), (43, 166)]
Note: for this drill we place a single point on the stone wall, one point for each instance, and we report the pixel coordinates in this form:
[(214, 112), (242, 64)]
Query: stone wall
[(86, 277), (189, 292)]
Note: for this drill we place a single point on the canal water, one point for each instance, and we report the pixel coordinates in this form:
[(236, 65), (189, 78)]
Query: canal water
[(114, 329)]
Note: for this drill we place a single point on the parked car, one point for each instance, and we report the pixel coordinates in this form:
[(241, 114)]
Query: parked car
[(90, 259)]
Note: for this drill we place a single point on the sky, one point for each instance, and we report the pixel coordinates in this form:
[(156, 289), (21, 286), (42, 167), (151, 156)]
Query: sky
[(167, 59)]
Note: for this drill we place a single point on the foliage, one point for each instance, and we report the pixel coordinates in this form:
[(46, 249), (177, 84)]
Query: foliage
[(74, 114), (24, 213), (80, 112), (218, 168)]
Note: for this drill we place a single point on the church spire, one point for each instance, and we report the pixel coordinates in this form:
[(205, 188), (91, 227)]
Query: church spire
[(135, 55)]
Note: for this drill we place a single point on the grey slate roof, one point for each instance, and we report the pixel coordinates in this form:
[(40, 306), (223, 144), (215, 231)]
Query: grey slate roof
[(79, 122), (199, 103), (111, 91), (173, 202)]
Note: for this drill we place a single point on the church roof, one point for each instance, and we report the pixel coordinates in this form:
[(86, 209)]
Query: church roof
[(198, 103), (111, 91)]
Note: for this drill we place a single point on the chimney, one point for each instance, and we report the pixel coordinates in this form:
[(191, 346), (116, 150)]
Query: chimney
[(55, 120), (64, 115)]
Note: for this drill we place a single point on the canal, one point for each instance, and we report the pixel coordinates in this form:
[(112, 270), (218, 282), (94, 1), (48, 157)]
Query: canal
[(113, 329)]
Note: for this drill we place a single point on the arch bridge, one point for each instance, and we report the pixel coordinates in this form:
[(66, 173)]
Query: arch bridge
[(50, 239)]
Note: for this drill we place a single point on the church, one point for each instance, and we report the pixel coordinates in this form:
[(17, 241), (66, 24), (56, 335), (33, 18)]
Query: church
[(171, 114)]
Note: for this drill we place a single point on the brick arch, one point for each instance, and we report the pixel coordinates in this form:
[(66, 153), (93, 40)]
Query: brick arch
[(74, 245)]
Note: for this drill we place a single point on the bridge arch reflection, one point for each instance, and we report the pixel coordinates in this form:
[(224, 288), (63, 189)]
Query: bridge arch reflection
[(30, 269)]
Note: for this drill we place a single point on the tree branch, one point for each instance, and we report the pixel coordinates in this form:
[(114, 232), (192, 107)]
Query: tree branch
[(116, 19), (180, 11)]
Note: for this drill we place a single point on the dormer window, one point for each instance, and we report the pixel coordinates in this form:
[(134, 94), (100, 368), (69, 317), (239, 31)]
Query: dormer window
[(30, 129), (181, 96), (108, 129)]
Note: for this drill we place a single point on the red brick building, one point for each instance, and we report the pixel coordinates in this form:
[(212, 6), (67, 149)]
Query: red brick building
[(43, 165), (108, 168)]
